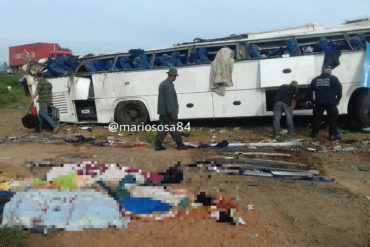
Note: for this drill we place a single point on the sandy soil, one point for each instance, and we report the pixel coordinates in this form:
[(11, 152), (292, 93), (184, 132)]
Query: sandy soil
[(287, 213)]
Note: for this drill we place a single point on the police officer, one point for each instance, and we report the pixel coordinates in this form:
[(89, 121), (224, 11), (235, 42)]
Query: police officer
[(168, 109), (328, 92)]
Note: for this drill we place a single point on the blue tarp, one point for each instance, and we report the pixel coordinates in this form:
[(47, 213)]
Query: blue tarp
[(63, 65), (358, 42), (143, 205), (365, 80), (200, 56), (176, 58), (166, 60)]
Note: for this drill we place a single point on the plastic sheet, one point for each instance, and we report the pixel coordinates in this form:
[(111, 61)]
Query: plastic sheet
[(365, 80), (69, 210)]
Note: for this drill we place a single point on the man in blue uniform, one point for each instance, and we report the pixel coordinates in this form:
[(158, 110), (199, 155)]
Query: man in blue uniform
[(328, 92), (168, 108)]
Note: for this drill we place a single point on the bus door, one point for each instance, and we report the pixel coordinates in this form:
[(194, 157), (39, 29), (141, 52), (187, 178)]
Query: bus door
[(82, 94), (62, 98)]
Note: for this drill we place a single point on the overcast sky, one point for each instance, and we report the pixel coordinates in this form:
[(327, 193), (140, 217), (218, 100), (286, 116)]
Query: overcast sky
[(109, 26)]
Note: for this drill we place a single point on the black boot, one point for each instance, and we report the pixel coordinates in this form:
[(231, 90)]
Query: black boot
[(159, 147), (314, 135), (181, 146)]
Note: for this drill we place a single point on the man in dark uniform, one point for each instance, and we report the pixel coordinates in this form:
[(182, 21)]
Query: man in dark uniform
[(44, 91), (284, 101), (328, 92), (168, 109)]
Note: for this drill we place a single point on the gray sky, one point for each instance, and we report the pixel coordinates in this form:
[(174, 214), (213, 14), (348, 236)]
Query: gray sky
[(109, 26)]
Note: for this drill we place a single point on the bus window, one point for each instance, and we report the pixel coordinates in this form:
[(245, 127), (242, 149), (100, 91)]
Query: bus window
[(96, 65), (358, 41), (170, 58), (123, 63)]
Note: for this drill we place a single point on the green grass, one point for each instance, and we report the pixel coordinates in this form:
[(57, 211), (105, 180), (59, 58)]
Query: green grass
[(15, 95), (11, 237)]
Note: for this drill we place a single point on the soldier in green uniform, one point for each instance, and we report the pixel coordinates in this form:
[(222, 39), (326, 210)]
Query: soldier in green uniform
[(44, 91), (168, 108)]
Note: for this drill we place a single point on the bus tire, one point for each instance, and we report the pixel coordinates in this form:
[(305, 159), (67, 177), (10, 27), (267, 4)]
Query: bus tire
[(364, 109), (131, 112)]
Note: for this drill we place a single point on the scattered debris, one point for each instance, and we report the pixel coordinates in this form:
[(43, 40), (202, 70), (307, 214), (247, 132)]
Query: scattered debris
[(250, 207), (253, 235), (360, 168)]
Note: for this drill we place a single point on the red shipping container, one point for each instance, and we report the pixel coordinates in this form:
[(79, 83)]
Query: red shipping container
[(36, 51)]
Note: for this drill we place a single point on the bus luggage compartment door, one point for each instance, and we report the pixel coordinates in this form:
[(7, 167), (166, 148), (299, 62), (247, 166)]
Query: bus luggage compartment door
[(82, 93), (278, 71)]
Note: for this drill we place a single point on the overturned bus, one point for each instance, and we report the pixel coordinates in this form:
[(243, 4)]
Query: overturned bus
[(123, 87)]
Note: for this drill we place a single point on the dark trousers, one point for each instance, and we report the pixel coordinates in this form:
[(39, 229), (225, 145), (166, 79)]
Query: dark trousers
[(333, 114), (26, 89), (44, 116), (167, 122), (279, 108)]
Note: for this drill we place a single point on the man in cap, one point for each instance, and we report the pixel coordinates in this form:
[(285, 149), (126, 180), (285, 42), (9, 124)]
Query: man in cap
[(328, 92), (284, 101), (168, 109), (44, 91)]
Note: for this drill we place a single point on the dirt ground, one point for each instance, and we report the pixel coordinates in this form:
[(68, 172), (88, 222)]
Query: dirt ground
[(287, 212)]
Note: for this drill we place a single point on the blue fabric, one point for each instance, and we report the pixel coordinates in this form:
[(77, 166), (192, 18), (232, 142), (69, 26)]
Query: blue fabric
[(176, 58), (221, 144), (4, 193), (136, 52), (320, 179), (365, 80), (90, 66), (331, 58), (143, 205), (200, 56), (293, 47), (358, 42), (253, 51), (63, 65), (141, 62), (323, 44), (125, 63), (166, 60)]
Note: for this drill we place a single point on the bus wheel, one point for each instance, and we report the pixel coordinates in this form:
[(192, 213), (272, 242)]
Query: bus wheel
[(364, 109), (131, 112)]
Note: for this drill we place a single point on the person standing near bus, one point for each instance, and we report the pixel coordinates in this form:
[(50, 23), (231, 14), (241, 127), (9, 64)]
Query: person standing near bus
[(44, 91), (284, 101), (328, 93), (168, 108)]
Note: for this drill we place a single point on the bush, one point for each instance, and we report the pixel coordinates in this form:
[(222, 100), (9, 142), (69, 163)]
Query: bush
[(11, 237), (15, 94)]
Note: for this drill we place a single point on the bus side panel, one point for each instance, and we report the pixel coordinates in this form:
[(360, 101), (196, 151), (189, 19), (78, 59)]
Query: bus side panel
[(240, 103), (195, 105), (62, 98)]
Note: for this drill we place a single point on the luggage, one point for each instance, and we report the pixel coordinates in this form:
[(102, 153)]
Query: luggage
[(30, 120), (54, 114)]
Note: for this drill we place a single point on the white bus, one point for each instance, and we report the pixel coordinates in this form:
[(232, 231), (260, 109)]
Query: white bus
[(120, 89)]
